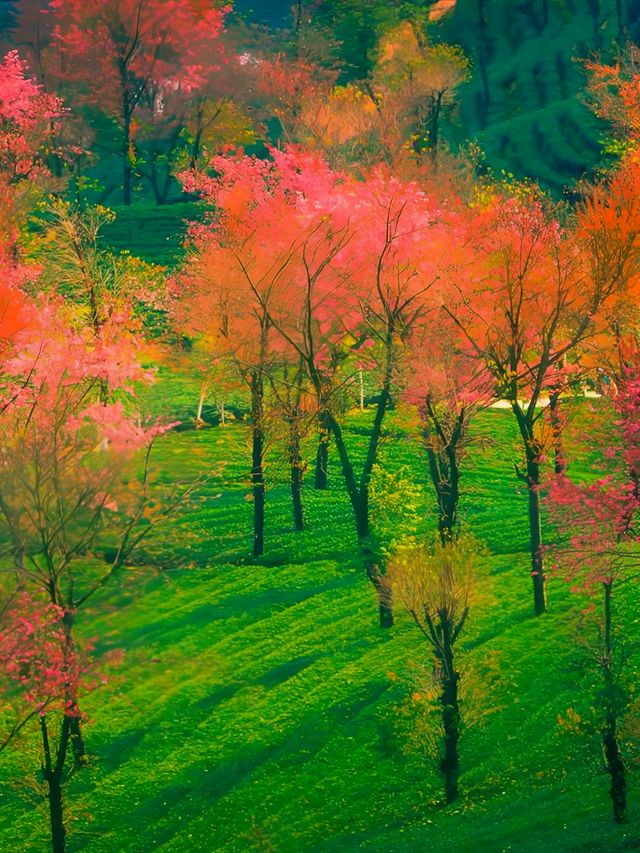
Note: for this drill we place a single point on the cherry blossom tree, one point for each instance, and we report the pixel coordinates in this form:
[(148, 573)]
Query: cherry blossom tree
[(529, 293), (28, 117), (597, 558), (70, 510), (41, 678), (367, 267), (449, 388), (236, 275), (116, 52)]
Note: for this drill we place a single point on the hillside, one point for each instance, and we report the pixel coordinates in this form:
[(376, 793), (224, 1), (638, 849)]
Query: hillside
[(526, 55), (259, 708), (536, 124)]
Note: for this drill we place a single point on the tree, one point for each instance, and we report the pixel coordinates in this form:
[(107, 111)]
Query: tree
[(448, 388), (236, 274), (367, 268), (292, 403), (115, 52), (414, 81), (337, 276), (613, 92), (100, 288), (41, 678), (71, 513), (28, 116), (532, 292), (292, 89), (597, 558), (437, 590), (179, 125)]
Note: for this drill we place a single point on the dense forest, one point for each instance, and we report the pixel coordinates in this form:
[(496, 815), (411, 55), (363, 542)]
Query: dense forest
[(319, 425)]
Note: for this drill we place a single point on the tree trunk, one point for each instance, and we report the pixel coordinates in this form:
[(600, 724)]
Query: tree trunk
[(321, 478), (443, 448), (449, 701), (445, 477), (153, 178), (258, 487), (296, 468), (77, 742), (616, 770), (556, 429), (196, 147), (127, 175), (223, 415), (385, 607), (359, 498), (53, 770), (450, 764), (535, 532), (74, 721), (610, 744), (525, 419), (434, 127), (201, 399)]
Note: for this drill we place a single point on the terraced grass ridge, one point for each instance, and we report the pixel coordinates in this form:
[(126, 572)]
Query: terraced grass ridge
[(258, 707)]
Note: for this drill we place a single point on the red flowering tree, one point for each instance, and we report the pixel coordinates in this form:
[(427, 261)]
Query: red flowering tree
[(367, 269), (238, 273), (28, 117), (70, 511), (115, 52), (528, 294)]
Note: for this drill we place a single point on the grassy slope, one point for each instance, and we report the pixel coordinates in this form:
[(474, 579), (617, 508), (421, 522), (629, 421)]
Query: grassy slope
[(153, 233), (537, 125), (255, 711)]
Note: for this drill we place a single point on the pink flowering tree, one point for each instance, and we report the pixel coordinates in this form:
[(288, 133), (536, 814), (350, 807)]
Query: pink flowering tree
[(28, 118), (527, 295), (363, 286), (448, 389), (72, 507), (238, 272), (42, 677), (597, 558)]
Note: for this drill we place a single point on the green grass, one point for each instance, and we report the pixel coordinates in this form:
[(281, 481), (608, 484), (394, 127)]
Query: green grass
[(153, 233), (255, 709)]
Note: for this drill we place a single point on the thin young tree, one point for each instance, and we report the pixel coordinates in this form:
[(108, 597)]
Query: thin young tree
[(596, 556), (365, 275), (237, 273), (41, 679), (436, 586), (448, 389), (66, 491)]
